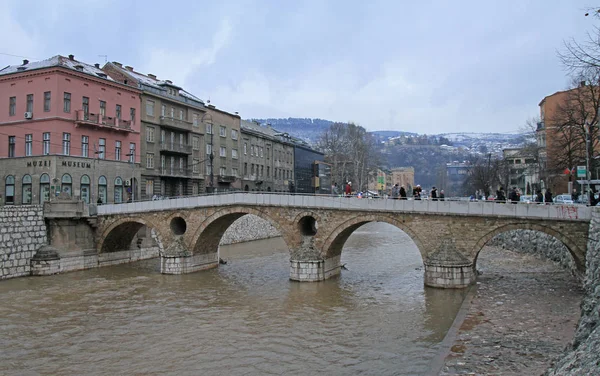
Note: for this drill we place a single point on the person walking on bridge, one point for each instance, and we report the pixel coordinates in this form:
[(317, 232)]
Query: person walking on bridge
[(402, 193), (349, 189)]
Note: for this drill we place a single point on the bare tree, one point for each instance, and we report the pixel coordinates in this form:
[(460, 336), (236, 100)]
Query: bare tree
[(578, 57), (351, 151), (575, 122), (483, 174)]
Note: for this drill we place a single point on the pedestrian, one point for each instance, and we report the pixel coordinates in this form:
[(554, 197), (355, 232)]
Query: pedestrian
[(334, 189), (417, 192), (349, 189), (500, 195), (402, 193), (434, 196), (539, 197), (513, 196), (575, 195), (442, 195), (395, 192), (548, 196)]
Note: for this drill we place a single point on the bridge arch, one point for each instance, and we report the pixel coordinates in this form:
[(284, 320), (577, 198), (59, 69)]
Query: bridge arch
[(120, 233), (335, 241), (208, 235), (575, 251)]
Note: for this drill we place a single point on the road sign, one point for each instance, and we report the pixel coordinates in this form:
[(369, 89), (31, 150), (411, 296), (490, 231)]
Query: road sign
[(581, 172)]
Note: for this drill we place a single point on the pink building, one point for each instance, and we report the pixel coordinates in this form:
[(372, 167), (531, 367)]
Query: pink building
[(66, 126)]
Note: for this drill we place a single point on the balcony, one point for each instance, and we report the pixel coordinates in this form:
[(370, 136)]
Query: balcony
[(175, 148), (99, 121), (176, 172), (226, 178), (175, 123)]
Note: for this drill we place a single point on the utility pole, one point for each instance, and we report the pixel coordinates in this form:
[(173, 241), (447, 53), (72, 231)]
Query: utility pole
[(208, 122), (211, 158)]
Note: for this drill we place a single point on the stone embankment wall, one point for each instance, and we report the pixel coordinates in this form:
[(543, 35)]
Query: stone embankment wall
[(247, 228), (583, 358), (538, 244), (22, 232)]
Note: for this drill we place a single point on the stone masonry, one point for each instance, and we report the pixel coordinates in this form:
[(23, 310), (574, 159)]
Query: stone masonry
[(538, 244), (316, 237), (248, 228), (22, 232), (583, 357)]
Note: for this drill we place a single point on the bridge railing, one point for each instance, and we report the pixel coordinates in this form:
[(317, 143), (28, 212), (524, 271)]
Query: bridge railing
[(480, 208)]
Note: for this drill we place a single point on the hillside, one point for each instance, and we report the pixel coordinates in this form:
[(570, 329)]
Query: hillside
[(428, 154)]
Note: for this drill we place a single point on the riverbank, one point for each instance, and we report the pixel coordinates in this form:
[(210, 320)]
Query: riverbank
[(521, 318)]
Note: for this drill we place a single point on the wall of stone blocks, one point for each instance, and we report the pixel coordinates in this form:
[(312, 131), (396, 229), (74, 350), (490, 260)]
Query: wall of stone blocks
[(188, 264), (73, 261), (22, 232), (449, 276)]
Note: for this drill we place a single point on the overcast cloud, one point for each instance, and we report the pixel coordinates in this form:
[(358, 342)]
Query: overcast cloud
[(431, 67)]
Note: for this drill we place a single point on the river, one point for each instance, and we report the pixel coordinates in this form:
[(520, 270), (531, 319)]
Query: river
[(244, 318)]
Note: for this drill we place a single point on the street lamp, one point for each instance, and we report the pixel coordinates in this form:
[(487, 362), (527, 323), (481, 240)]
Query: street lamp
[(132, 161), (587, 159)]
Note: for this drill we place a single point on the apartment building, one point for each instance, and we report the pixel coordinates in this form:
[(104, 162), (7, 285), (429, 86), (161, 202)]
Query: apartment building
[(222, 140), (562, 147), (172, 134), (267, 159), (67, 127)]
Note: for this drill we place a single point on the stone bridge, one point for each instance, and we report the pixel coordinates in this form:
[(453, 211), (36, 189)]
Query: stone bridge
[(448, 234)]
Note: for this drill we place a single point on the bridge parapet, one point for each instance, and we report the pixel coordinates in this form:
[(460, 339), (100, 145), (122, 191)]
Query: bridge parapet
[(480, 208)]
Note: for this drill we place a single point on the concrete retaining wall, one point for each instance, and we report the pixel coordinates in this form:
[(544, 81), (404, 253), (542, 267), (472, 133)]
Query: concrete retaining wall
[(22, 232)]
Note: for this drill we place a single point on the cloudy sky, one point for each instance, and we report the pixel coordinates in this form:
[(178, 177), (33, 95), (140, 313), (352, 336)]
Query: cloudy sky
[(439, 66)]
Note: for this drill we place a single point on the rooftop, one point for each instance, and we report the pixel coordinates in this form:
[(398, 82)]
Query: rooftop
[(57, 61), (153, 82)]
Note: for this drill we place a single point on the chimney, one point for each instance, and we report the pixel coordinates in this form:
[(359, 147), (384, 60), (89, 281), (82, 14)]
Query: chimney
[(71, 57), (118, 64), (152, 76), (97, 65), (582, 84), (129, 68), (25, 62)]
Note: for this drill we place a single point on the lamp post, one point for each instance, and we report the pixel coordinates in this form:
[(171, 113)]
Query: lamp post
[(132, 161), (587, 159)]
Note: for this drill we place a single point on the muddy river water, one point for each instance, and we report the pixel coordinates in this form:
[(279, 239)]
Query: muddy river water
[(244, 318)]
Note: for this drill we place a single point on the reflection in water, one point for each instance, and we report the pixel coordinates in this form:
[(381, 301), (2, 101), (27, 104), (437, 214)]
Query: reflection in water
[(244, 318)]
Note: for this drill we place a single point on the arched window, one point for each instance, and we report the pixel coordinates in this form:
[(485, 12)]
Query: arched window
[(102, 194), (66, 184), (118, 190), (85, 188), (44, 188), (26, 189), (9, 190)]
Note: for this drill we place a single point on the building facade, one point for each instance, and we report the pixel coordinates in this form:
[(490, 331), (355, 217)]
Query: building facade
[(562, 147), (456, 175), (305, 177), (68, 128), (172, 134), (222, 133), (522, 169), (404, 176), (267, 159)]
